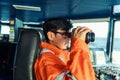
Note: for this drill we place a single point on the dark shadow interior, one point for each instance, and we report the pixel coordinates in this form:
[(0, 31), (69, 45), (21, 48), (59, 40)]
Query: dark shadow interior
[(7, 52)]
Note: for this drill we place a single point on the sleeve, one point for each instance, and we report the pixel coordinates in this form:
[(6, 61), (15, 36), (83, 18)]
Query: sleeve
[(80, 64), (49, 67)]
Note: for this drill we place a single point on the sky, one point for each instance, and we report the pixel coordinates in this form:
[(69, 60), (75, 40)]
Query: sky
[(99, 28)]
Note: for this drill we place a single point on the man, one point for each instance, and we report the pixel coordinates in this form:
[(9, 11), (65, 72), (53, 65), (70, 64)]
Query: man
[(55, 61)]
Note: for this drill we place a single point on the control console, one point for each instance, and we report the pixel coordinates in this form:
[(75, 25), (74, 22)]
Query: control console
[(107, 72)]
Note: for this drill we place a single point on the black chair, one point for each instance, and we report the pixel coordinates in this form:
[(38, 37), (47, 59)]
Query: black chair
[(27, 50)]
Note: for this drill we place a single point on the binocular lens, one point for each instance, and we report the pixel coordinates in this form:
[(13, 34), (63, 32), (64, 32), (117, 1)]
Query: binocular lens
[(90, 37)]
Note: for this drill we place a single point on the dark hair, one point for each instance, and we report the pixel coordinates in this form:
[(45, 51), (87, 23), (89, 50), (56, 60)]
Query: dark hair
[(54, 24)]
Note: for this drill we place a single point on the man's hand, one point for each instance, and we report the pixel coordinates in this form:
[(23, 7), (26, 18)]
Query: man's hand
[(80, 32)]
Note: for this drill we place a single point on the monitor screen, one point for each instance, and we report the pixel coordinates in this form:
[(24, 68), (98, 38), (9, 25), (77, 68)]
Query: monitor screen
[(5, 29)]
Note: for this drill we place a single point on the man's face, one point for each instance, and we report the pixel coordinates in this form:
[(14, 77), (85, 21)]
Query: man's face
[(60, 39)]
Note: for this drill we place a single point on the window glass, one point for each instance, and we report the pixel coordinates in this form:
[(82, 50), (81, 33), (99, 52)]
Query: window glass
[(98, 47), (100, 29), (116, 46)]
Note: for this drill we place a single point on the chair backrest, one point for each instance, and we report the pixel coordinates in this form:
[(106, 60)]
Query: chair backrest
[(27, 48)]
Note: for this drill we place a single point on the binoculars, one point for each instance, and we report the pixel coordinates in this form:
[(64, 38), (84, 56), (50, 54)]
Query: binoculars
[(90, 37)]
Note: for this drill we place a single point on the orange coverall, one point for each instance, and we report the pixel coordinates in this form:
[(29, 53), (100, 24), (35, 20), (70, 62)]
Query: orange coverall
[(56, 64)]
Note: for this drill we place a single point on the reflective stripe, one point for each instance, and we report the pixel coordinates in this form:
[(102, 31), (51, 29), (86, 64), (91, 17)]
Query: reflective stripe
[(43, 51), (71, 76), (61, 59), (46, 50), (61, 76)]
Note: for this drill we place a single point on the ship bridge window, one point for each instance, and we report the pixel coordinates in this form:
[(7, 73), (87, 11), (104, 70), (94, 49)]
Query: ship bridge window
[(101, 30), (116, 44)]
